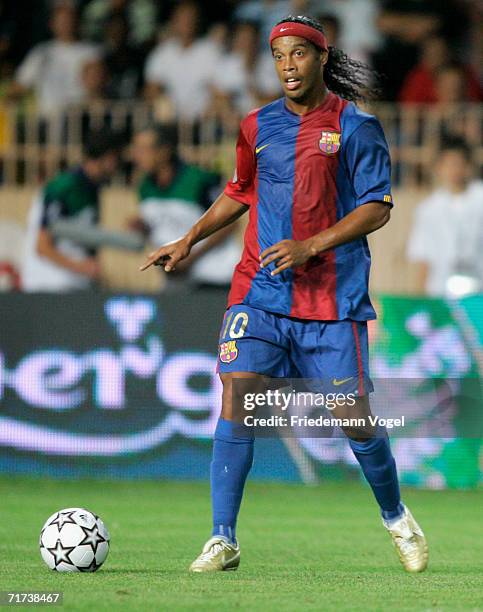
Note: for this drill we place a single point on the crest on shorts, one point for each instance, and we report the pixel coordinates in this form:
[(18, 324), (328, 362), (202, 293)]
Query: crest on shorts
[(228, 351), (329, 142)]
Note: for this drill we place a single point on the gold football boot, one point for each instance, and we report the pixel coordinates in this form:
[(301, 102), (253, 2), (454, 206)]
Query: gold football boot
[(218, 555), (410, 543)]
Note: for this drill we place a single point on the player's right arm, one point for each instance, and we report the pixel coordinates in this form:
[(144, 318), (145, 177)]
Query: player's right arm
[(239, 194)]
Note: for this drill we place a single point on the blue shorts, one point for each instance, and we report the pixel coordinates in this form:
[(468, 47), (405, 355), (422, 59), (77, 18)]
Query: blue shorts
[(335, 353)]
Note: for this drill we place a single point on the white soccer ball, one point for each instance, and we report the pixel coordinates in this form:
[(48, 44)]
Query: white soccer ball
[(74, 540)]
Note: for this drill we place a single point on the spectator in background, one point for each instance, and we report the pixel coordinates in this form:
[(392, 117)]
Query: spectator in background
[(11, 252), (244, 77), (95, 110), (331, 25), (404, 25), (123, 61), (184, 65), (447, 235), (356, 26), (53, 68), (172, 195), (7, 33), (262, 12), (141, 16), (267, 12), (52, 264), (420, 84), (94, 82), (452, 85), (451, 95)]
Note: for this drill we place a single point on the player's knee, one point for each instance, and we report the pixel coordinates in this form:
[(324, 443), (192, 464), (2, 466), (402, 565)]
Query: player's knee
[(360, 428), (232, 396), (235, 386)]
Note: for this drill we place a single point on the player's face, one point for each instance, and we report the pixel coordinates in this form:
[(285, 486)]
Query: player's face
[(299, 66)]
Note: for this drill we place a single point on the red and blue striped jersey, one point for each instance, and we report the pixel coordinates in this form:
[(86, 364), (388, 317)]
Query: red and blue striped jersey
[(300, 175)]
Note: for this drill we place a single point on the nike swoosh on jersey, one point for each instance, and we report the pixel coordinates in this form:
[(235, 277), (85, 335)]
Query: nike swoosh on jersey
[(258, 149), (336, 382)]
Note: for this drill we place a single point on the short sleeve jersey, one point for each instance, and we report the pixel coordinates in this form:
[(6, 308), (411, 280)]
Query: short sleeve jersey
[(300, 175)]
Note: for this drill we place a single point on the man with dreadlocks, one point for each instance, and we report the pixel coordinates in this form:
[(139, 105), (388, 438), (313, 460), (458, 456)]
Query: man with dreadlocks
[(314, 173)]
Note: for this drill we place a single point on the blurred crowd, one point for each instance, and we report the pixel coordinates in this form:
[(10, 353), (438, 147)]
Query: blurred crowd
[(199, 57), (61, 245)]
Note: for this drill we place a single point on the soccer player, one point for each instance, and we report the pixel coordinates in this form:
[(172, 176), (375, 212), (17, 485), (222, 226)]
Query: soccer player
[(60, 264), (314, 173)]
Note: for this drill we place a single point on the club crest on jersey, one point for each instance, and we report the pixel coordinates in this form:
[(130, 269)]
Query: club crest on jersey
[(228, 351), (329, 142)]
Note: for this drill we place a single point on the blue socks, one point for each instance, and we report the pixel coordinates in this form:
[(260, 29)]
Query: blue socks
[(232, 460), (379, 467)]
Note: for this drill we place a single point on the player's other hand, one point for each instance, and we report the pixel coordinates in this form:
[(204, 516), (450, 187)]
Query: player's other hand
[(168, 255), (286, 254)]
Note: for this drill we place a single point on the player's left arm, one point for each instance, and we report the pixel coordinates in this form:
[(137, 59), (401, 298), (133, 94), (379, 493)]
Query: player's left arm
[(368, 167), (360, 222)]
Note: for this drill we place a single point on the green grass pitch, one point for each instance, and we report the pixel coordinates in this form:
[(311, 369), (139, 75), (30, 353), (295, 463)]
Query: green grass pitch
[(303, 548)]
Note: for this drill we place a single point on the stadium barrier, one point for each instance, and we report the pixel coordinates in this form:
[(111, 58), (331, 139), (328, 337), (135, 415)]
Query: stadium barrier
[(33, 147), (124, 386), (391, 271)]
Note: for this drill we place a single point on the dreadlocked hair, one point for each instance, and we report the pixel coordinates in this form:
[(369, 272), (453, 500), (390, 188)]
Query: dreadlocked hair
[(344, 76)]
